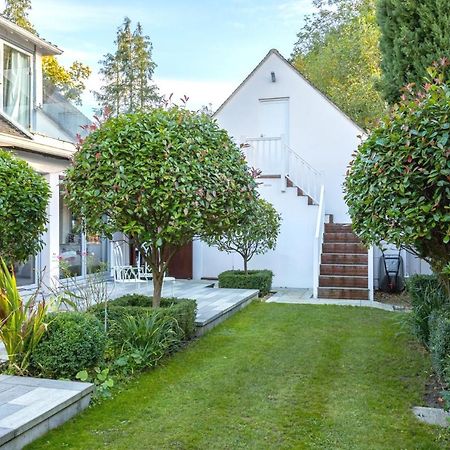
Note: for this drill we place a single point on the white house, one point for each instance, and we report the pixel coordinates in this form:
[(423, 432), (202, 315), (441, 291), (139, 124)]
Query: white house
[(302, 142), (40, 126)]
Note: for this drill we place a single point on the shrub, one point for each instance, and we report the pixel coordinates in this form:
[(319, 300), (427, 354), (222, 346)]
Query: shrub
[(74, 341), (427, 295), (439, 343), (254, 279), (135, 305)]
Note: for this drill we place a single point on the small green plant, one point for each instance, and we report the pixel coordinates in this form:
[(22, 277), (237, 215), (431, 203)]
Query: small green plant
[(22, 323), (148, 337), (101, 379), (74, 341)]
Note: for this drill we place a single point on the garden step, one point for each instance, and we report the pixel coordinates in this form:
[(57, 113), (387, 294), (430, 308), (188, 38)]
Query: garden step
[(342, 247), (344, 293), (341, 237), (338, 228), (344, 269), (342, 281), (342, 258)]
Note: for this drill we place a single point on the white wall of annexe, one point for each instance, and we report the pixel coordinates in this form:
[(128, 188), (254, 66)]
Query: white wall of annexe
[(275, 100)]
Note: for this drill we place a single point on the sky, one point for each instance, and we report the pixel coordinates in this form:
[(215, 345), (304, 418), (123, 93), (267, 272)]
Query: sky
[(202, 48)]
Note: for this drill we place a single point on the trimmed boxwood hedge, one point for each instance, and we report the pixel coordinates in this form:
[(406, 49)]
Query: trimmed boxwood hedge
[(439, 343), (74, 341), (253, 279), (183, 310)]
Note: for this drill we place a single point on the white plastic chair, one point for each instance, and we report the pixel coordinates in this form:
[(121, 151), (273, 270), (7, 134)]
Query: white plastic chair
[(123, 273)]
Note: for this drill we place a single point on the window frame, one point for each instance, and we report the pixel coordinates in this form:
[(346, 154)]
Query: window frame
[(4, 43)]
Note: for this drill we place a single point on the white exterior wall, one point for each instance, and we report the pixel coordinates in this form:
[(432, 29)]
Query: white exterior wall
[(291, 261), (318, 131)]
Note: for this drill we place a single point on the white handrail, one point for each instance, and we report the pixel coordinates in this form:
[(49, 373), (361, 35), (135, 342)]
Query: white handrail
[(318, 241)]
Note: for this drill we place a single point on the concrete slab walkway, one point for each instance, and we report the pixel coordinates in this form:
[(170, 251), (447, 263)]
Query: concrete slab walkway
[(29, 407)]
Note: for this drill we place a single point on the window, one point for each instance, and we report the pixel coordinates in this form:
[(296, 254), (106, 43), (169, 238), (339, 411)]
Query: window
[(17, 85), (26, 273)]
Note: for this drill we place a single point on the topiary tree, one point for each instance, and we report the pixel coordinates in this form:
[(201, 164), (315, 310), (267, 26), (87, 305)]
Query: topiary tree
[(163, 178), (398, 186), (413, 35), (24, 195), (257, 235)]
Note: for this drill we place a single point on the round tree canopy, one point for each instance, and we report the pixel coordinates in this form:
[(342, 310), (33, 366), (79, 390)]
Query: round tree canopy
[(24, 195)]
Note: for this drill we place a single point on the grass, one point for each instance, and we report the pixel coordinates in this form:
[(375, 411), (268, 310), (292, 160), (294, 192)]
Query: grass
[(272, 377)]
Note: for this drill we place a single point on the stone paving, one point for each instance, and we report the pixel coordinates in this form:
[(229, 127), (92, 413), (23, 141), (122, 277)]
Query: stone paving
[(29, 407), (211, 302), (304, 297)]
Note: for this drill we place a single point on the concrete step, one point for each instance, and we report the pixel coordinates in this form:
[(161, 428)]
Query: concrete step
[(341, 237), (342, 281), (338, 228), (344, 269), (342, 258), (342, 247), (344, 293)]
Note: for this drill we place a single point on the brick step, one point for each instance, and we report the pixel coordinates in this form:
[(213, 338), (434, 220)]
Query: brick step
[(338, 228), (342, 247), (342, 258), (341, 237), (342, 281), (344, 293), (344, 269)]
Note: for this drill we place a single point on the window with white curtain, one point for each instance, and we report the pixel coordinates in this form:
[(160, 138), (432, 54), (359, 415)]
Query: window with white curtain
[(17, 85)]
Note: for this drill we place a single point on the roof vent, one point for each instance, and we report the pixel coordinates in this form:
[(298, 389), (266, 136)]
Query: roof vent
[(272, 76)]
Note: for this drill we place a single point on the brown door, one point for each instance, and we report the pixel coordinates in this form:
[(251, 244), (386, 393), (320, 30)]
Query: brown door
[(180, 265)]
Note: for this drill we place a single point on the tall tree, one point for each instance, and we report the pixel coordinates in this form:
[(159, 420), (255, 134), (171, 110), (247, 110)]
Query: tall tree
[(127, 73), (413, 35), (337, 50), (69, 81)]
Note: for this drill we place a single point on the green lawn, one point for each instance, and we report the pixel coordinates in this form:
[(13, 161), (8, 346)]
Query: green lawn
[(272, 377)]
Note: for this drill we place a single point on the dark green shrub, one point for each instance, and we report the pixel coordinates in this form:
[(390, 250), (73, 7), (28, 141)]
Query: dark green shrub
[(254, 279), (135, 305), (427, 295), (74, 341), (439, 343)]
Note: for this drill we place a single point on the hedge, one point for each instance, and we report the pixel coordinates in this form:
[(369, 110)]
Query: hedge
[(439, 343), (74, 341), (253, 279), (427, 295), (135, 305)]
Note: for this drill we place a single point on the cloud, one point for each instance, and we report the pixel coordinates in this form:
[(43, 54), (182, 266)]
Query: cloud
[(294, 10)]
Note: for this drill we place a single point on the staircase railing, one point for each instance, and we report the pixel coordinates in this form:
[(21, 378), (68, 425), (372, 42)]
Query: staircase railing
[(318, 241)]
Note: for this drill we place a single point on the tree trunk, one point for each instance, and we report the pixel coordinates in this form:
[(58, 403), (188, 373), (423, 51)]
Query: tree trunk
[(158, 279), (245, 265)]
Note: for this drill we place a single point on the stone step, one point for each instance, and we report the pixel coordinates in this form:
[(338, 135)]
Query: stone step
[(344, 269), (341, 237), (342, 281), (344, 259), (342, 247), (344, 293), (338, 228)]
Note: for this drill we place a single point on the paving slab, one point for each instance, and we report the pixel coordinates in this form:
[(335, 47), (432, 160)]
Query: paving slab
[(32, 406)]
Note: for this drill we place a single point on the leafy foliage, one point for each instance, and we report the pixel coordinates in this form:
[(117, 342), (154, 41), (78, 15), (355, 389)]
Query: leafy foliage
[(24, 195), (182, 310), (413, 36), (253, 279), (439, 344), (257, 235), (427, 296), (162, 178), (398, 186), (71, 81), (337, 50), (74, 341), (127, 74), (22, 324)]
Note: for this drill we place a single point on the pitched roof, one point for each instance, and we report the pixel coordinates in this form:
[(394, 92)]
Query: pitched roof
[(274, 51), (45, 47), (8, 127)]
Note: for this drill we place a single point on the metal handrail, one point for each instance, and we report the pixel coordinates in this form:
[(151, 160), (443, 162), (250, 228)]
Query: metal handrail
[(318, 241)]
